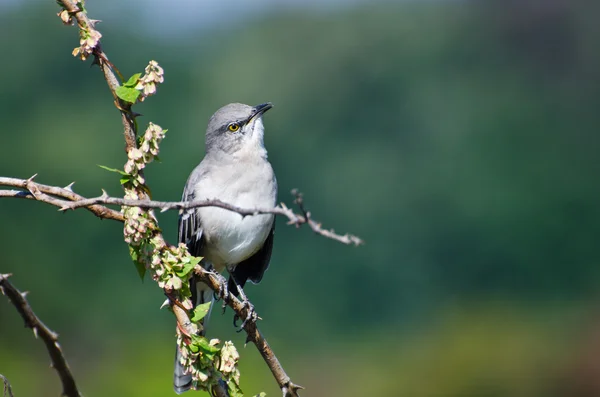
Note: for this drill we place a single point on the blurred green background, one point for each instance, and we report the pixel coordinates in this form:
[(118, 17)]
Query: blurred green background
[(460, 139)]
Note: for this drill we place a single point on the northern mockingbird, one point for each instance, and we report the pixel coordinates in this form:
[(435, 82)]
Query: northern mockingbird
[(235, 170)]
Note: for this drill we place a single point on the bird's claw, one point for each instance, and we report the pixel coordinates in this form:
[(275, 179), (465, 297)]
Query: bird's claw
[(223, 292), (251, 315)]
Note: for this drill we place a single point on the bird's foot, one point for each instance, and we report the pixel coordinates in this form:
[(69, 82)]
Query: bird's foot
[(251, 315), (223, 292)]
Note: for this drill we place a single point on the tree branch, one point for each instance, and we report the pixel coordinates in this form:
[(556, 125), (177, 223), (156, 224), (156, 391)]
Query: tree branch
[(7, 389), (49, 194), (214, 281), (88, 25), (50, 338)]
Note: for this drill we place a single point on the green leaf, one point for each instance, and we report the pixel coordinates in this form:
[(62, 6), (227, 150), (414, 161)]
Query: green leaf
[(133, 80), (188, 266), (128, 94), (208, 350), (141, 269), (201, 343), (125, 179), (234, 389), (200, 312), (113, 170)]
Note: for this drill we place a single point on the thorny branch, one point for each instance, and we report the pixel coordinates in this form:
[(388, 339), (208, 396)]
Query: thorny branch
[(50, 338), (7, 390), (288, 388), (65, 199), (49, 194), (86, 24)]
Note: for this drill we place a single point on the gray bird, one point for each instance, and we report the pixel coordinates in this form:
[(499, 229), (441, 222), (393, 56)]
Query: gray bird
[(235, 170)]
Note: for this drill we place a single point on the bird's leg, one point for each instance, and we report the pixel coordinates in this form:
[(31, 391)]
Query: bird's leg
[(223, 292), (250, 312)]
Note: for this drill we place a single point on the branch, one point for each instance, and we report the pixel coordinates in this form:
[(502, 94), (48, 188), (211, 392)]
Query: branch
[(214, 281), (49, 194), (7, 389), (87, 26), (50, 338)]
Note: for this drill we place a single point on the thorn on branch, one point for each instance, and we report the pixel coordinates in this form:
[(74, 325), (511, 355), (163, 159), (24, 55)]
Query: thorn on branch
[(7, 388), (93, 22), (291, 389), (4, 277), (48, 336)]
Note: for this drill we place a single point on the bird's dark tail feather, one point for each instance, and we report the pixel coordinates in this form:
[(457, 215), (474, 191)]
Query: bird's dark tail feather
[(182, 381)]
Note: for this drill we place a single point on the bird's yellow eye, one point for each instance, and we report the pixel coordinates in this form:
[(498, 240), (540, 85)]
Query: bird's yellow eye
[(233, 127)]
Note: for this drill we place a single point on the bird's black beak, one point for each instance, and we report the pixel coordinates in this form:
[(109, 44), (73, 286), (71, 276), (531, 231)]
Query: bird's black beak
[(260, 109)]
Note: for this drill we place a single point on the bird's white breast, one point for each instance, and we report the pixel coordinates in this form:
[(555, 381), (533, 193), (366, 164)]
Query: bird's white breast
[(229, 237)]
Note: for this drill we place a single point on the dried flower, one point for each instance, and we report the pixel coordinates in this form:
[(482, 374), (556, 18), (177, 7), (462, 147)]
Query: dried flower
[(65, 17), (154, 75)]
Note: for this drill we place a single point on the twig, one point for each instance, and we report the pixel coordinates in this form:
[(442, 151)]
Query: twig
[(50, 338), (49, 194), (100, 59), (316, 226), (7, 389), (288, 388)]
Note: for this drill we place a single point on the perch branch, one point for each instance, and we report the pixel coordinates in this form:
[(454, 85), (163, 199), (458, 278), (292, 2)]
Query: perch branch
[(50, 338), (288, 388), (66, 199)]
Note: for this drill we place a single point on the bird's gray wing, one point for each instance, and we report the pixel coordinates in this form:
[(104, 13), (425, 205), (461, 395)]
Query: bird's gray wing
[(190, 228), (254, 267), (190, 233)]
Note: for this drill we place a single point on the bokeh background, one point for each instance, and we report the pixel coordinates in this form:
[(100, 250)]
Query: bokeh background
[(460, 139)]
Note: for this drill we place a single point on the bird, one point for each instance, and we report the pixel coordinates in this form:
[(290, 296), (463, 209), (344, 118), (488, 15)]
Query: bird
[(235, 170)]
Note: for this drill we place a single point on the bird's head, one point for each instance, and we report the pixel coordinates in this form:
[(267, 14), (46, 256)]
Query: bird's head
[(237, 129)]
